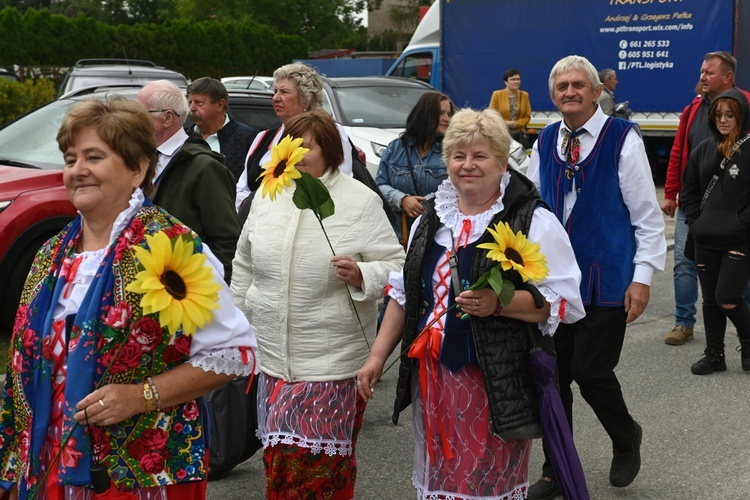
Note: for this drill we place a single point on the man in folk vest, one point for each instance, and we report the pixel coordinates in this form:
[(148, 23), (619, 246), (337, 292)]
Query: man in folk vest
[(593, 172)]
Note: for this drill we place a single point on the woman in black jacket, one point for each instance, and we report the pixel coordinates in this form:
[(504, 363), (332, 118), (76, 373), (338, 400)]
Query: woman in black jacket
[(715, 198)]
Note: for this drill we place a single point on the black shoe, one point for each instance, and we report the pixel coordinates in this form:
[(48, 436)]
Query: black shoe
[(712, 361), (544, 489), (625, 466), (744, 349)]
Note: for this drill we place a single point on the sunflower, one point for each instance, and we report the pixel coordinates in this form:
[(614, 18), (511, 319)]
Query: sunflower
[(176, 283), (516, 252), (280, 171)]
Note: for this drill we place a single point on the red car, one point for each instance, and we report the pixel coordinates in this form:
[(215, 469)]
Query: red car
[(33, 202)]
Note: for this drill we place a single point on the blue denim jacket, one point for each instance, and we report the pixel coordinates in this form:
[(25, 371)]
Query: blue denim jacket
[(394, 179)]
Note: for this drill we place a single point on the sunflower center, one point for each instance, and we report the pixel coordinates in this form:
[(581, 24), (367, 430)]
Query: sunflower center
[(513, 255), (174, 284), (280, 167)]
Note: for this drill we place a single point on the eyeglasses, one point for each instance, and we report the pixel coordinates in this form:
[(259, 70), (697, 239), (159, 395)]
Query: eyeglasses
[(164, 110), (515, 79)]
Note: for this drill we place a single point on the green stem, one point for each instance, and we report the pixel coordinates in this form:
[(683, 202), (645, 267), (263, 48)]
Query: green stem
[(348, 292), (406, 349)]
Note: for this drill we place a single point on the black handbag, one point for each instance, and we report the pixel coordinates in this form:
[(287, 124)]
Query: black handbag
[(234, 417)]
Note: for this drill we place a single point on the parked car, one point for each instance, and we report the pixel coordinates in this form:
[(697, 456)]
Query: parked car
[(373, 111), (33, 202), (6, 74), (248, 82), (108, 72)]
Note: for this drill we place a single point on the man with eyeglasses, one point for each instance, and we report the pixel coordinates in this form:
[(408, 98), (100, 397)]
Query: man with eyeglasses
[(192, 182), (716, 77), (207, 98)]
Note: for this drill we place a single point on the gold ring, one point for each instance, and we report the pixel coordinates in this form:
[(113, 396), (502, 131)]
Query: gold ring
[(476, 302), (101, 403)]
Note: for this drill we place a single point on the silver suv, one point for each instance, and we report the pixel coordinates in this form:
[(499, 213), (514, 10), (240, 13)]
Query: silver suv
[(95, 72)]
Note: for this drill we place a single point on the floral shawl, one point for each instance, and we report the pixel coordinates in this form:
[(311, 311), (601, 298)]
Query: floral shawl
[(109, 330)]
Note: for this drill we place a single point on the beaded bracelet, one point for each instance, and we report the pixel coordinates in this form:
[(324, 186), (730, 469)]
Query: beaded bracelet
[(499, 309), (151, 384)]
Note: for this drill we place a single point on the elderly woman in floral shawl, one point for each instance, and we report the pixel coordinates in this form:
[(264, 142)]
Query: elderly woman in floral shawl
[(124, 321)]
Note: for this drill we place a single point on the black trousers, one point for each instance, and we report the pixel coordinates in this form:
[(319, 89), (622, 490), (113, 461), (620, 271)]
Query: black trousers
[(588, 352), (724, 276)]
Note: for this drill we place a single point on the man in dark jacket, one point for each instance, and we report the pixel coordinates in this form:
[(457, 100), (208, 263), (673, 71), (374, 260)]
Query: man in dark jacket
[(207, 98), (191, 181)]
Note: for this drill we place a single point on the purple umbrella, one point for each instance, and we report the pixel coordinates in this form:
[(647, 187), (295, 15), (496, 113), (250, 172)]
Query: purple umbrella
[(557, 436)]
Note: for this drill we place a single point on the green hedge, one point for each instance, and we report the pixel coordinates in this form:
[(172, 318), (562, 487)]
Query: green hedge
[(17, 98), (196, 49)]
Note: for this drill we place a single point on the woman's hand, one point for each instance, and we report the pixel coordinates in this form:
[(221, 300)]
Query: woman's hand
[(412, 206), (480, 303), (111, 404), (347, 270), (368, 376), (512, 124)]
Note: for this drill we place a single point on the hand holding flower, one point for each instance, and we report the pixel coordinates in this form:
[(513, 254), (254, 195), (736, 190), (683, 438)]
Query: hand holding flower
[(347, 270), (481, 303)]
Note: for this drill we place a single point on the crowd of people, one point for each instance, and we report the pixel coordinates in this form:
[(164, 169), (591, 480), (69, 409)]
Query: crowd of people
[(215, 251)]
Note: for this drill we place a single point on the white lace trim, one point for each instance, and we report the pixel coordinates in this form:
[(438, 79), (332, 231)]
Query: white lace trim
[(331, 448), (227, 361), (549, 326), (446, 207), (423, 493)]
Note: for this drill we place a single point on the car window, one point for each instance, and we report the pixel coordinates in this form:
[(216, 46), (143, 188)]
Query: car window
[(259, 117), (32, 138), (380, 107), (418, 66)]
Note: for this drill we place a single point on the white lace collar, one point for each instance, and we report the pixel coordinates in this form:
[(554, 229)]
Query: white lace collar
[(446, 207), (122, 220)]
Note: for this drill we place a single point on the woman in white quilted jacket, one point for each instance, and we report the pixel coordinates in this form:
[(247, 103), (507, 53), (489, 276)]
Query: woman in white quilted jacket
[(310, 342)]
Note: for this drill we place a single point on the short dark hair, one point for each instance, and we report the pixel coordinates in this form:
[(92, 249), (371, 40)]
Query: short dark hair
[(125, 126), (323, 130), (510, 73), (211, 87), (423, 119), (728, 61)]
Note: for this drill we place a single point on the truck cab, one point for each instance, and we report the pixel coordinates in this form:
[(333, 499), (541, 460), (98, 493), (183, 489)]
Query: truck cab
[(421, 58)]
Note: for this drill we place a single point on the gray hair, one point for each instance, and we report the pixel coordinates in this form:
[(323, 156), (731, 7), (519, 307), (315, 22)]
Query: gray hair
[(468, 126), (167, 95), (606, 74), (573, 63), (307, 80)]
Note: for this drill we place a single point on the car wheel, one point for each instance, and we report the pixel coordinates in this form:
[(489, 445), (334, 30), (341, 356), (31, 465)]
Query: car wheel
[(14, 286)]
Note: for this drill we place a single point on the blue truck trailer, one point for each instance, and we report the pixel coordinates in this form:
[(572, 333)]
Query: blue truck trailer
[(462, 47)]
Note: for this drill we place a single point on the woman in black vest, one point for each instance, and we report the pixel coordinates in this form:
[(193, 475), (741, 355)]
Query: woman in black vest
[(471, 372)]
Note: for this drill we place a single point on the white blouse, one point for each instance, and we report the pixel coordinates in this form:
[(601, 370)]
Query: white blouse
[(561, 287), (213, 348)]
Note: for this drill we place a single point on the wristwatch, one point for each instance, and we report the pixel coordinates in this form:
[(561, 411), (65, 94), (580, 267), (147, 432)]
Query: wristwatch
[(148, 395)]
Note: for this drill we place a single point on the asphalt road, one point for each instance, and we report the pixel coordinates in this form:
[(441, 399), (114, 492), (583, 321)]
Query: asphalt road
[(696, 430)]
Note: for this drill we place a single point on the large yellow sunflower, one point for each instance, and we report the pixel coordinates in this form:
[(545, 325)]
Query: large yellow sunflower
[(516, 252), (280, 171), (176, 283)]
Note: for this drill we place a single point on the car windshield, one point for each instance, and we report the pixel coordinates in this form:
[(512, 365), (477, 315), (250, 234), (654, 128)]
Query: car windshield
[(379, 107), (32, 138)]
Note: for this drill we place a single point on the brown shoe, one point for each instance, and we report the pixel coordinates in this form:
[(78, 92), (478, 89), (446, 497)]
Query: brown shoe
[(679, 335)]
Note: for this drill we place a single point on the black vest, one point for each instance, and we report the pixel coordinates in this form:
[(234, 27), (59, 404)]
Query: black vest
[(501, 344)]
